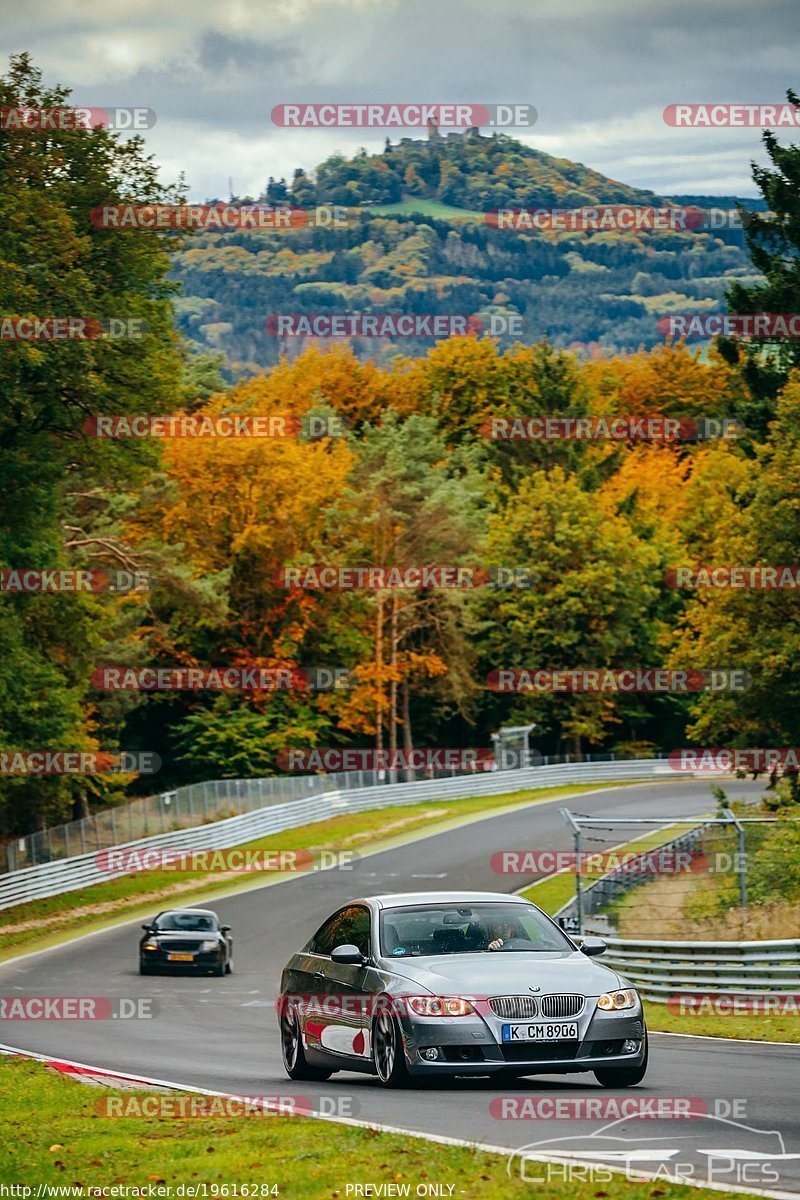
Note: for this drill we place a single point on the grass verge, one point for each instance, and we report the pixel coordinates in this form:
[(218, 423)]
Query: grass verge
[(42, 923), (57, 1138), (759, 1027)]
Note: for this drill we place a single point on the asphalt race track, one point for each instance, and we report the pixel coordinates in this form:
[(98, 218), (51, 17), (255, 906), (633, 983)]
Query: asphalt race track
[(222, 1033)]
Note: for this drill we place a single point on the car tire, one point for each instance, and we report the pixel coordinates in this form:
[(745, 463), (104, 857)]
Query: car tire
[(294, 1059), (623, 1077), (388, 1056), (229, 967), (146, 969), (218, 970)]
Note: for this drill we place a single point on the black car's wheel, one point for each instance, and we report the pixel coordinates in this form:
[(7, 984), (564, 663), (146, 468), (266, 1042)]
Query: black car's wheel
[(294, 1059), (219, 969), (146, 968), (387, 1051), (229, 967), (616, 1077)]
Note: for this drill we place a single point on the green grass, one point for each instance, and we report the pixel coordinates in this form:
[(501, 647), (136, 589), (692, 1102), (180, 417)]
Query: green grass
[(55, 1135), (758, 1028), (428, 208), (41, 923)]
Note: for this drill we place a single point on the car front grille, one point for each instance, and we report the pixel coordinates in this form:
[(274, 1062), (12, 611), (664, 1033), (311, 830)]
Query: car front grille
[(520, 1008), (512, 1008), (564, 1005), (180, 946)]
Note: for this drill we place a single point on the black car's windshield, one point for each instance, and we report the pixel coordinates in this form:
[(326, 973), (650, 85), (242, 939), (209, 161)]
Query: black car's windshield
[(466, 929), (186, 922)]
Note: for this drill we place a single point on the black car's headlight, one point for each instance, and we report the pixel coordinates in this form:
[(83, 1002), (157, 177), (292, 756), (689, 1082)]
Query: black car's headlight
[(440, 1006), (205, 947), (150, 946), (614, 1001)]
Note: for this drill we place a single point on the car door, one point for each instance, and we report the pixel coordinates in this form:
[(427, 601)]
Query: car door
[(339, 1025)]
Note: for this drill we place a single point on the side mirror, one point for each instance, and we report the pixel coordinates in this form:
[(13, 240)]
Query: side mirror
[(225, 928), (592, 946), (347, 955), (147, 928)]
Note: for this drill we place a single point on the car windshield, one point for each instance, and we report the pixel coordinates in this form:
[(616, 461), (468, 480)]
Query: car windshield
[(435, 929), (186, 922)]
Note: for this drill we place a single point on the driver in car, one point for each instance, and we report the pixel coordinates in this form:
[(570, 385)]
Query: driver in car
[(501, 932)]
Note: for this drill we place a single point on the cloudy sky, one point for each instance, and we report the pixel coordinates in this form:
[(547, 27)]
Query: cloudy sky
[(599, 72)]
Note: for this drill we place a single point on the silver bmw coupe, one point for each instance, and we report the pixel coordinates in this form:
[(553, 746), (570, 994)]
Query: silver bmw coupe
[(456, 983)]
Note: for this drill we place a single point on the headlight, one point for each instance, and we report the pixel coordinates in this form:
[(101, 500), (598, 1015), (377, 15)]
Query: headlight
[(614, 1001), (206, 946), (440, 1006), (150, 946)]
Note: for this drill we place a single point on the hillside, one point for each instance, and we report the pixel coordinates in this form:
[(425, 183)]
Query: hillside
[(468, 170), (417, 240)]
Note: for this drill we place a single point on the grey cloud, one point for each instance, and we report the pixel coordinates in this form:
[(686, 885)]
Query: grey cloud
[(587, 67)]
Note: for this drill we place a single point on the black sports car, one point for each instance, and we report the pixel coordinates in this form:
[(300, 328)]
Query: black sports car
[(186, 939)]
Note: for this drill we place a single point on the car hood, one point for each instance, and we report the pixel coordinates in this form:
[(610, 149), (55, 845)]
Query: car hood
[(510, 974)]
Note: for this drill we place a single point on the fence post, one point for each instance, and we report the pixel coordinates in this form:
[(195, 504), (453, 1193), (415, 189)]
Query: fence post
[(576, 829), (742, 856)]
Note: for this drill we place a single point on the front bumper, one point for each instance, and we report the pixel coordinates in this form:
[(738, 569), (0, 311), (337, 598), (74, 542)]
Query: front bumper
[(474, 1046), (203, 960)]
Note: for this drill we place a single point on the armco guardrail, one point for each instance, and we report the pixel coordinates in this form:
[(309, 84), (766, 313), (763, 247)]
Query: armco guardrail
[(664, 969), (194, 804), (69, 874), (183, 808)]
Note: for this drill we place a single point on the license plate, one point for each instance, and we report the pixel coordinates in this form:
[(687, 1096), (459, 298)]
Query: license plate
[(180, 957), (528, 1031)]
